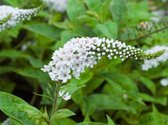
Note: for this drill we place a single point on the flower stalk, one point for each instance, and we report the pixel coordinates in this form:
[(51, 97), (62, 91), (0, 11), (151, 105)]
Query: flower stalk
[(55, 100)]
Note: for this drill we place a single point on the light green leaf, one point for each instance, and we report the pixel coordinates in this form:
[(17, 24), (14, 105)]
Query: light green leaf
[(110, 122), (159, 100), (149, 84), (118, 10), (19, 110), (153, 118), (75, 9), (49, 32), (13, 54), (124, 81), (109, 29), (62, 113), (35, 62)]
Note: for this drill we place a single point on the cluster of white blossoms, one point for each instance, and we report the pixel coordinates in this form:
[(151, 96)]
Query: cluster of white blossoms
[(64, 95), (148, 64), (6, 122), (57, 5), (10, 16), (80, 53), (164, 82)]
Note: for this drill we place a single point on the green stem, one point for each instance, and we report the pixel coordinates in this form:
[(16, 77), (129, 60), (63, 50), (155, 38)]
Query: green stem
[(55, 101)]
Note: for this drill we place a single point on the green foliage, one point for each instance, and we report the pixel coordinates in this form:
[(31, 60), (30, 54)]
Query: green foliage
[(113, 92), (19, 110)]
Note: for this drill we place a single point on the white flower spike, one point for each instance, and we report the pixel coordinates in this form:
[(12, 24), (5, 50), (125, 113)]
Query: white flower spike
[(152, 63), (10, 16), (80, 53), (56, 5)]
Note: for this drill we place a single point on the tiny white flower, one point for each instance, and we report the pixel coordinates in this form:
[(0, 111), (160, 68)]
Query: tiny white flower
[(164, 82), (64, 95)]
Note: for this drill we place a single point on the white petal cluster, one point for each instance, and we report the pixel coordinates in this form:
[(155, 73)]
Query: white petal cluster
[(16, 15), (6, 122), (164, 82), (148, 64), (64, 95), (56, 5), (80, 53)]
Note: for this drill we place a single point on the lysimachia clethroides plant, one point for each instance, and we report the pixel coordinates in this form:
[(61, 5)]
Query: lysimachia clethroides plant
[(77, 54), (68, 62)]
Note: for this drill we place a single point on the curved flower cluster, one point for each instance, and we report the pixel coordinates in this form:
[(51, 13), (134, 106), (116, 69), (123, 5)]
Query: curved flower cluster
[(80, 53), (56, 5), (164, 82), (10, 16), (148, 64)]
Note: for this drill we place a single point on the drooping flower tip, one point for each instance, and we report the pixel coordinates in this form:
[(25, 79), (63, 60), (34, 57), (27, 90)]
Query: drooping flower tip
[(159, 54), (80, 53), (10, 16), (56, 5)]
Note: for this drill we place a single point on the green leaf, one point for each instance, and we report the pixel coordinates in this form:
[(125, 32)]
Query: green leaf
[(138, 12), (153, 118), (21, 3), (62, 113), (63, 25), (120, 79), (93, 102), (91, 123), (122, 84), (93, 84), (13, 54), (65, 121), (42, 77), (75, 9), (110, 122), (109, 29), (149, 84), (6, 69), (19, 110), (159, 100), (118, 10), (49, 32), (35, 62)]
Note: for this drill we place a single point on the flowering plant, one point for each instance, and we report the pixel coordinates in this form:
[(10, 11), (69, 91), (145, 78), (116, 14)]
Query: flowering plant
[(83, 62)]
